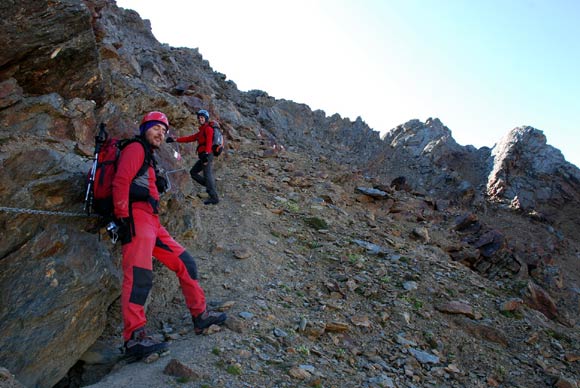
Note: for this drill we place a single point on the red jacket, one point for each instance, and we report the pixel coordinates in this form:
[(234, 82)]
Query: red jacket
[(204, 138), (141, 191)]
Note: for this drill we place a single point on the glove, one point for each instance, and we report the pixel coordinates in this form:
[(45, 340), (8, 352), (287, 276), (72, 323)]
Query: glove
[(123, 231), (203, 157), (169, 140), (161, 183)]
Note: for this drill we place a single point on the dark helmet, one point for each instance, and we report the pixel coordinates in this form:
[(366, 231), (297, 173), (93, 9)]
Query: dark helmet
[(203, 113)]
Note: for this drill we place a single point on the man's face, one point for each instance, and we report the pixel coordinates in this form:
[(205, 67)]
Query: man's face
[(155, 135), (201, 119)]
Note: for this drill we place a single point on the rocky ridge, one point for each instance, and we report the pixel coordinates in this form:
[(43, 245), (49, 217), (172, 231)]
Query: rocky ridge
[(331, 269)]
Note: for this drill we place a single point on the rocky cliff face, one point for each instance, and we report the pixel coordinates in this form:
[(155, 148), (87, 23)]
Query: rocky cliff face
[(68, 65), (43, 55)]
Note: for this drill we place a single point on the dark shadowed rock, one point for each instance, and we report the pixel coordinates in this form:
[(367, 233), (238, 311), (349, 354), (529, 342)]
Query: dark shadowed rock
[(467, 222), (400, 183), (489, 243)]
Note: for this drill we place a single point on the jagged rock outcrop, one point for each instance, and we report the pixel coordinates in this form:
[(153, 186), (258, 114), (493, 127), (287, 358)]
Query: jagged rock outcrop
[(69, 65), (429, 158), (521, 170), (315, 133), (530, 174)]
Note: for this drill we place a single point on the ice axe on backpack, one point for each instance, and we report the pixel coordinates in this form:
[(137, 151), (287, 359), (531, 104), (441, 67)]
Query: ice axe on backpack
[(99, 141)]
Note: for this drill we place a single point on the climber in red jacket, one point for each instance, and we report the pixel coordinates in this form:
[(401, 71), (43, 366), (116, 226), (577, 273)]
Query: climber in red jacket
[(204, 138), (136, 202)]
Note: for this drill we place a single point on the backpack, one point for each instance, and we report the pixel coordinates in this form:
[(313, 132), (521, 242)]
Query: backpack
[(99, 198), (218, 139)]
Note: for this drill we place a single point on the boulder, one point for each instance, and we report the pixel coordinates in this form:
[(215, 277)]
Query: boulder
[(56, 289)]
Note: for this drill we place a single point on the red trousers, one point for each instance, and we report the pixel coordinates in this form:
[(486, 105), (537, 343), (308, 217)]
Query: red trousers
[(152, 239)]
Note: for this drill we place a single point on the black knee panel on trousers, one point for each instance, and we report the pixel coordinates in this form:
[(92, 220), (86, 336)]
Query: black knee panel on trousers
[(162, 245), (189, 264), (142, 283)]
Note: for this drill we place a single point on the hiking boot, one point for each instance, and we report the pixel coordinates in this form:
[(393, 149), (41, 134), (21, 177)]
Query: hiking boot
[(141, 345), (211, 201), (206, 319)]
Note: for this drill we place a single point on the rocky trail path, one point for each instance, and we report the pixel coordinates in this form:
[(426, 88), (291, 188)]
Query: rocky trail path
[(328, 287)]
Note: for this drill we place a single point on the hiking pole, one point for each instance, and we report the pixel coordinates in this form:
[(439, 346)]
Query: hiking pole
[(99, 140)]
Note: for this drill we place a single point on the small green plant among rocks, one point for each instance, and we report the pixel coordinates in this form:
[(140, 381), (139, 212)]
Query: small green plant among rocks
[(501, 371), (354, 258), (405, 259), (292, 207), (413, 301), (303, 349), (417, 304), (492, 292), (558, 336), (451, 292), (234, 370), (513, 314), (316, 223), (430, 339), (340, 353), (314, 244)]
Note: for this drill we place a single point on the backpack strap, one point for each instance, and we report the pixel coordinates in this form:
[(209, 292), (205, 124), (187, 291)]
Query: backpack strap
[(149, 157), (149, 161)]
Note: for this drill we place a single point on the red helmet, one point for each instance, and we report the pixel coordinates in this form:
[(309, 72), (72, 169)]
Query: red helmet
[(156, 116)]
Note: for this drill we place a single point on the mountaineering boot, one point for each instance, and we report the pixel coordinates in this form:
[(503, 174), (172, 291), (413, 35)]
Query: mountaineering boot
[(211, 201), (141, 345), (206, 319)]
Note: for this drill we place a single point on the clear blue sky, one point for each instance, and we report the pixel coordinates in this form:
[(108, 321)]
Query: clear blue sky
[(482, 67)]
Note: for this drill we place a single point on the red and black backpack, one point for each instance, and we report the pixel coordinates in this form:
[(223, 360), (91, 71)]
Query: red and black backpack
[(106, 167)]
